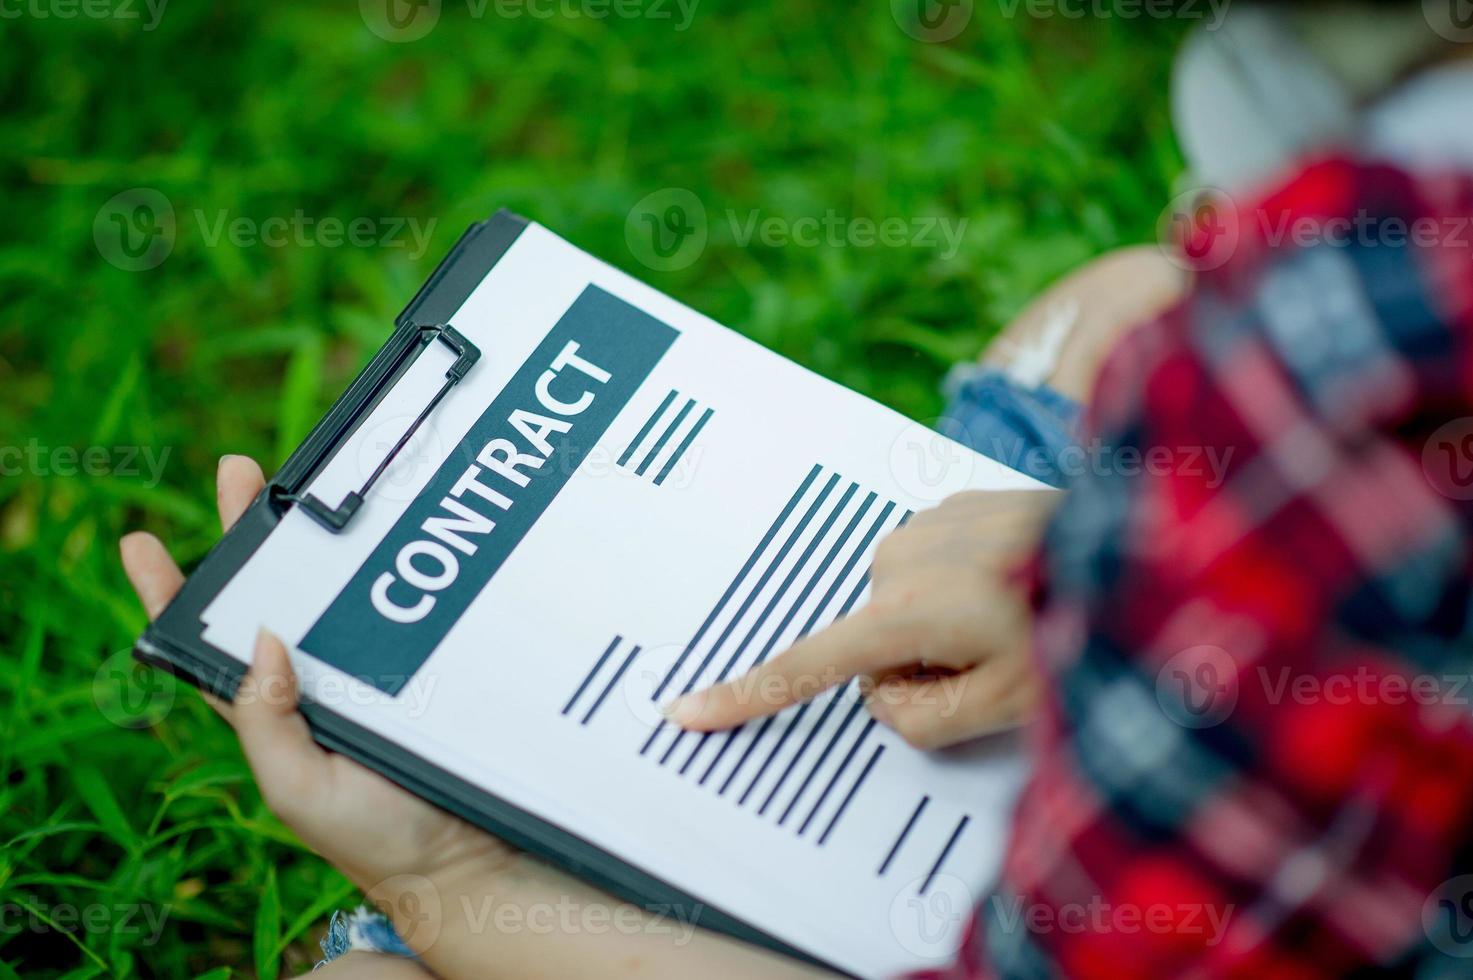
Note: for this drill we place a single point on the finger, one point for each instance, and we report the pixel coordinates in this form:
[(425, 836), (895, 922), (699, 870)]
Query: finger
[(156, 579), (153, 573), (975, 530), (932, 713), (222, 708), (862, 643), (290, 768), (237, 481)]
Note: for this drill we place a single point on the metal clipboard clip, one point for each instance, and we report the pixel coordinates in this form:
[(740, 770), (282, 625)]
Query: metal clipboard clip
[(466, 355)]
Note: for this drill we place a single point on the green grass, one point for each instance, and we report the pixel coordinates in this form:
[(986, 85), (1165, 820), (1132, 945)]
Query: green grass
[(1049, 137)]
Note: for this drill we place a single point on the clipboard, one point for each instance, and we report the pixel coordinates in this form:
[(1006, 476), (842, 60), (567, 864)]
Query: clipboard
[(175, 642)]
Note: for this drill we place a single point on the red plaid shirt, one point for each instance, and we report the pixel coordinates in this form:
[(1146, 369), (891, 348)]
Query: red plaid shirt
[(1256, 755)]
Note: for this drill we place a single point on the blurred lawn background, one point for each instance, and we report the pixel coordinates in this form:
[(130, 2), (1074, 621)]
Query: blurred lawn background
[(1049, 137)]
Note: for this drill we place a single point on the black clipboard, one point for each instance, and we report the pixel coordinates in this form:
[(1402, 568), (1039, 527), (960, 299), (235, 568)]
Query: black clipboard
[(175, 642)]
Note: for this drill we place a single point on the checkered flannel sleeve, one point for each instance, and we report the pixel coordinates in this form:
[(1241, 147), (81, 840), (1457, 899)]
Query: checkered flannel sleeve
[(1256, 755)]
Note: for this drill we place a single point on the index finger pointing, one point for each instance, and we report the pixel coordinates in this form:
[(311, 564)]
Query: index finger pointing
[(858, 644)]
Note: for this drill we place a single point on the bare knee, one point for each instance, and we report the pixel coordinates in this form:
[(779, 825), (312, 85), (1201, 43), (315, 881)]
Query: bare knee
[(1101, 301)]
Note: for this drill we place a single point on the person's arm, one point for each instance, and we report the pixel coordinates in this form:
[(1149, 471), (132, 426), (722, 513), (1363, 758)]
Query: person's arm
[(467, 904), (943, 647), (395, 846), (525, 919), (1231, 776), (1253, 757)]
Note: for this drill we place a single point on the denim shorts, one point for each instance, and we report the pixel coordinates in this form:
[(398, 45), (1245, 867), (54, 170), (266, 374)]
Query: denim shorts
[(1026, 427), (1021, 426)]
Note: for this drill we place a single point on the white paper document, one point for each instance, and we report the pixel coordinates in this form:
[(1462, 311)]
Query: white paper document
[(622, 501)]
